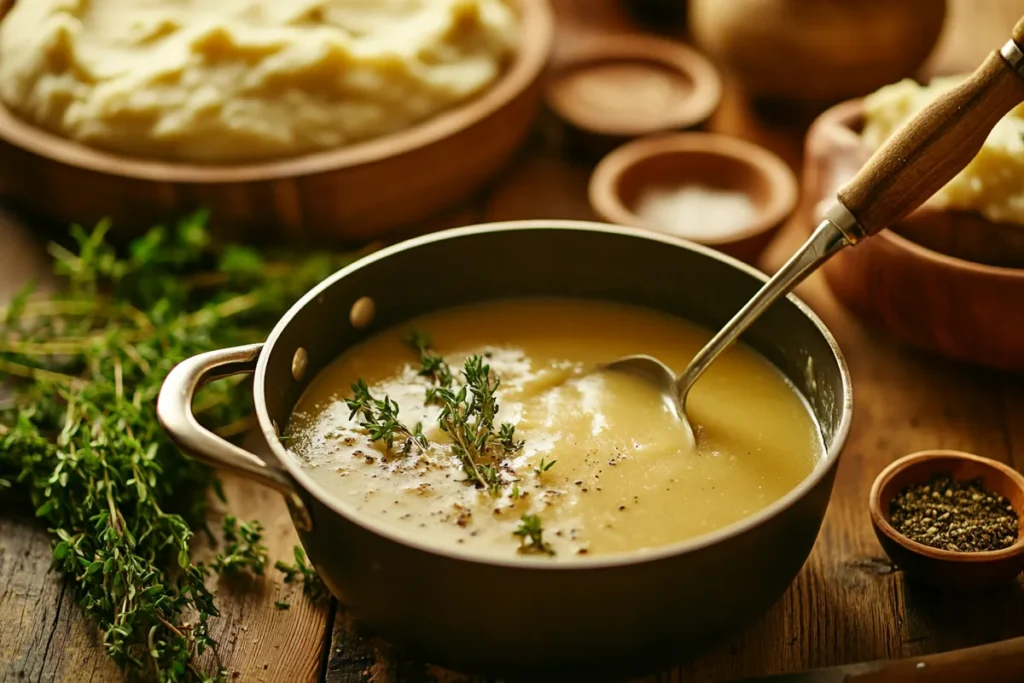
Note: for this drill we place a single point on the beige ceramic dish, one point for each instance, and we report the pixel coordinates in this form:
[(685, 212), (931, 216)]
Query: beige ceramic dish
[(945, 568), (939, 301), (350, 194), (627, 86), (706, 159)]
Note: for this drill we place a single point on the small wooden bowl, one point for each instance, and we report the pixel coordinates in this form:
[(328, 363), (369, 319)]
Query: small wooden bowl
[(944, 568), (707, 159), (940, 280), (354, 193), (631, 85)]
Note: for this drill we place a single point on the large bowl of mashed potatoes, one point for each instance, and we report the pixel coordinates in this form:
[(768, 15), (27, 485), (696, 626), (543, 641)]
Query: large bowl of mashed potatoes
[(949, 277), (358, 100)]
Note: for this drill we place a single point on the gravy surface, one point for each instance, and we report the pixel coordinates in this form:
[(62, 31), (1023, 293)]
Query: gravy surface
[(625, 477)]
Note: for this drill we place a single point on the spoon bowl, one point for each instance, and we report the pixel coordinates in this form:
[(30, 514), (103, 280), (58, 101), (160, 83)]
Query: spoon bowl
[(661, 377)]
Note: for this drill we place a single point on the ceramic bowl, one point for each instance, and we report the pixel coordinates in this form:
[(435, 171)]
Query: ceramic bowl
[(704, 159), (930, 296), (963, 571)]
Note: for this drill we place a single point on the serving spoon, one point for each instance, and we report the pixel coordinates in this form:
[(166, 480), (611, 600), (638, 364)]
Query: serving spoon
[(917, 161)]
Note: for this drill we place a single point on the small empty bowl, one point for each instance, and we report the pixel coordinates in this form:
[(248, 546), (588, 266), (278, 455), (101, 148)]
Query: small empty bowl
[(962, 571), (712, 189), (628, 86)]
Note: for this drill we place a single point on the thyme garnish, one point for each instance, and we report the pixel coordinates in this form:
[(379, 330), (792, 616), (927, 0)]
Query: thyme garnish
[(507, 438), (544, 466), (380, 419), (531, 536), (79, 438), (467, 415), (431, 365)]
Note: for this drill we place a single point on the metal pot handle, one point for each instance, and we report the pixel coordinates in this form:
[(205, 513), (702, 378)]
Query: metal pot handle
[(174, 411)]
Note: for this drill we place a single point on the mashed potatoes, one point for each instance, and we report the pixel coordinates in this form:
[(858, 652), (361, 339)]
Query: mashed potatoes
[(992, 184), (236, 80)]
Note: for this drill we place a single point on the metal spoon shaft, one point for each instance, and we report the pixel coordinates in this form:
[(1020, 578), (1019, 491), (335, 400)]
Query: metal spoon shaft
[(826, 240)]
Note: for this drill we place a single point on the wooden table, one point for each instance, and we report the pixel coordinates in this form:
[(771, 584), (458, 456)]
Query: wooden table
[(846, 605)]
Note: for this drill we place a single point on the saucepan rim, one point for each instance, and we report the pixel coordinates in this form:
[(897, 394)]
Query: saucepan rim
[(349, 513)]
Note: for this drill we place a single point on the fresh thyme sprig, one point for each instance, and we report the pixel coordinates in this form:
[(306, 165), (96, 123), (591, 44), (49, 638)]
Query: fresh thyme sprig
[(531, 536), (380, 419), (244, 549), (80, 440), (507, 438), (431, 365), (312, 585), (467, 415)]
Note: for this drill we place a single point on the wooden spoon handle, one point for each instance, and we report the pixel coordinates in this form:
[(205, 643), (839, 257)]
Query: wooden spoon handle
[(930, 149), (1001, 662)]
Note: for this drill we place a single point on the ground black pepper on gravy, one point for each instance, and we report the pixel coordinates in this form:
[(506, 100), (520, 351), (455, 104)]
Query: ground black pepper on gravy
[(624, 477)]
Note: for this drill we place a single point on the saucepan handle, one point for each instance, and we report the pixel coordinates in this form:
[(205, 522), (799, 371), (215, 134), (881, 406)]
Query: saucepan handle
[(174, 410), (927, 152)]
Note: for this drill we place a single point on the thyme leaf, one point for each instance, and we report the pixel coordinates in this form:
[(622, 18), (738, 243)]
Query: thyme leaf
[(312, 585), (531, 536), (544, 466), (380, 419)]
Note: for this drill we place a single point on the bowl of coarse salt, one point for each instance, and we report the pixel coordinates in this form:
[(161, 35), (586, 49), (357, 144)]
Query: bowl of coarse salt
[(712, 189)]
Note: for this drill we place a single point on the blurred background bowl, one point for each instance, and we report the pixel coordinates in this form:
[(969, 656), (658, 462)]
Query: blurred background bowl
[(356, 193), (617, 87), (706, 160), (934, 297), (817, 51)]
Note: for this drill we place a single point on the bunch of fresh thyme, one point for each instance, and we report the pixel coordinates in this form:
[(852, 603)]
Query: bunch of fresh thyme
[(467, 416), (79, 437)]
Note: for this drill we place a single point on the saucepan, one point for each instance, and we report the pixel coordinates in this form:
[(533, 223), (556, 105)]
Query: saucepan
[(526, 614)]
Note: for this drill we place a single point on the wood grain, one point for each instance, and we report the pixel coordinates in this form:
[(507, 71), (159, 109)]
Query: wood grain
[(43, 636), (258, 641), (846, 605)]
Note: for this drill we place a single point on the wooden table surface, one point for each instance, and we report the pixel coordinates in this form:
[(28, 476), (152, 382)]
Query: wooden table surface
[(846, 605)]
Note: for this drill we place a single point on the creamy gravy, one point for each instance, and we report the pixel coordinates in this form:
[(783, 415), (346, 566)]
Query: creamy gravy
[(625, 478)]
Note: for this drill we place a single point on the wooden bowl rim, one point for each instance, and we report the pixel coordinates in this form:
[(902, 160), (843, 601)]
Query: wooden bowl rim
[(675, 55), (878, 518), (783, 193), (536, 31), (840, 115)]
